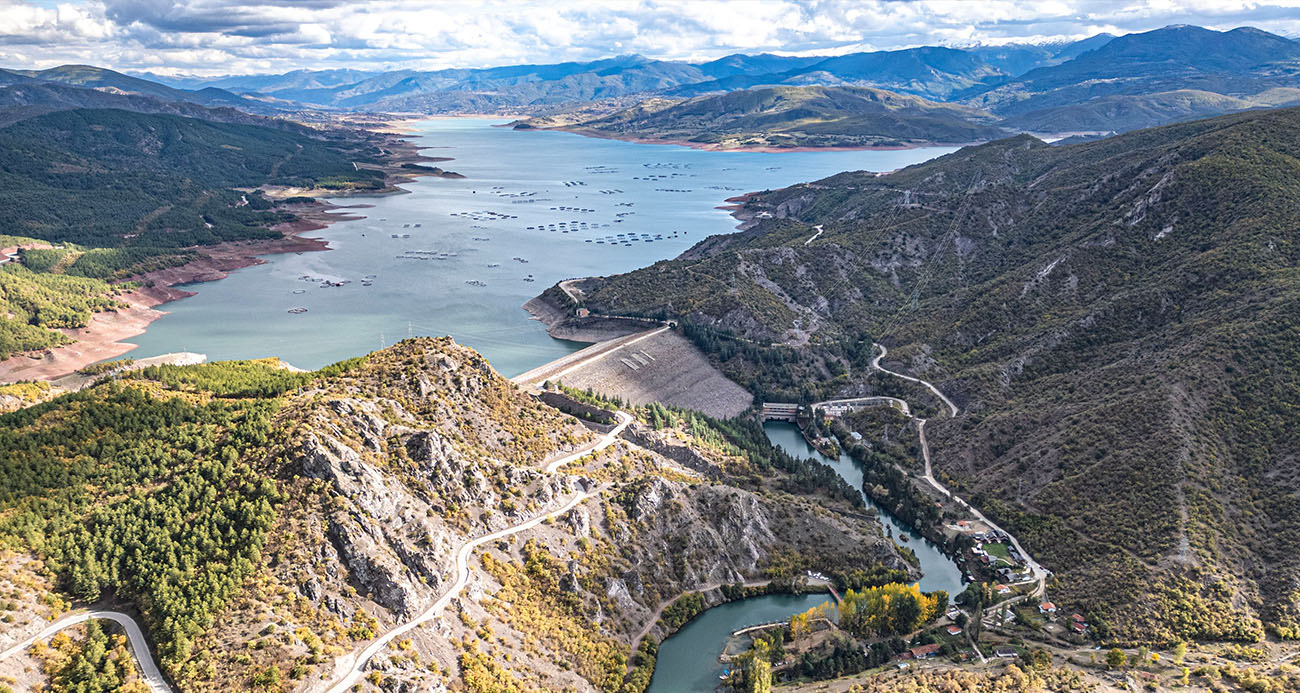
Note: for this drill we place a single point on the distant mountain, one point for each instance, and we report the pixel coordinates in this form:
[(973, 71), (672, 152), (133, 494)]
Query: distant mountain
[(761, 64), (1016, 59), (90, 77), (1237, 62), (795, 117), (930, 71), (1124, 112), (30, 97), (1137, 80)]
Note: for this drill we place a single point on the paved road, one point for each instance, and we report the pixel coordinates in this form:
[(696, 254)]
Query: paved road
[(1037, 570), (815, 235), (901, 404), (348, 668), (149, 671), (356, 662), (875, 363), (605, 441)]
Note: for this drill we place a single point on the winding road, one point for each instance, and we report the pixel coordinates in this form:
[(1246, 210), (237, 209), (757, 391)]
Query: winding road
[(355, 663), (1038, 571), (348, 668), (149, 670)]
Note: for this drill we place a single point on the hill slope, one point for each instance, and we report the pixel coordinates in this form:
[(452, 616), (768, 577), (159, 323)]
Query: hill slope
[(1116, 318), (107, 178), (332, 505), (794, 117), (98, 78)]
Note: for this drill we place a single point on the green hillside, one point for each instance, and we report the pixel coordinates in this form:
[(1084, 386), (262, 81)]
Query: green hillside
[(109, 178), (798, 116), (1116, 319)]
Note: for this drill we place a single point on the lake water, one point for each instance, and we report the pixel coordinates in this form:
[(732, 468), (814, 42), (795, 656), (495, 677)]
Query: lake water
[(688, 661), (453, 268), (535, 205)]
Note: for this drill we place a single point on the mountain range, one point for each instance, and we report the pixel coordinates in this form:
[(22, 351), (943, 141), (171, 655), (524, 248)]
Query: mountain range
[(1100, 84), (1169, 74)]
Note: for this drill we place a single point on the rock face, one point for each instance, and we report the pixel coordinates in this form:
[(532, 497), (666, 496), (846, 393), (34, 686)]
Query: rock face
[(393, 532), (396, 465)]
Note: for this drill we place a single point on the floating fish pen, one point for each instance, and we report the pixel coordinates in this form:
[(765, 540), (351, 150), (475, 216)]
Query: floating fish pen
[(484, 215)]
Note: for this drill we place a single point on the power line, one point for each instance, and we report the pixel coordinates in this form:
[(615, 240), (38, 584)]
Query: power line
[(927, 270)]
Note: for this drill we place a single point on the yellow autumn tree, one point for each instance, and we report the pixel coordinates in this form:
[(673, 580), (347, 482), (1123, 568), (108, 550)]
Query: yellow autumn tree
[(892, 609)]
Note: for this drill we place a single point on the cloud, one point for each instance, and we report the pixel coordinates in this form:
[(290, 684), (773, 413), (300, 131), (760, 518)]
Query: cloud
[(209, 37)]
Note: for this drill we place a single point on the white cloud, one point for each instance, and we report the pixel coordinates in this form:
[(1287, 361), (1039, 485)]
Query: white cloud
[(211, 37)]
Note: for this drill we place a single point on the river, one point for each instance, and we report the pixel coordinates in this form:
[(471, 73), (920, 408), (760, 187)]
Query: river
[(563, 204), (688, 661)]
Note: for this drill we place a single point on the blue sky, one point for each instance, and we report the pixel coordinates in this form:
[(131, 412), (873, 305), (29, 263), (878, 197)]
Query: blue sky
[(214, 37)]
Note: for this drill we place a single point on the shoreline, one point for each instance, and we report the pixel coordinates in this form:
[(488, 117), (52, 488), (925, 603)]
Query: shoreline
[(105, 334), (759, 149)]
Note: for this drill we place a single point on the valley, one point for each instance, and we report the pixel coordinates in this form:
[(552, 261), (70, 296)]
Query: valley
[(881, 361)]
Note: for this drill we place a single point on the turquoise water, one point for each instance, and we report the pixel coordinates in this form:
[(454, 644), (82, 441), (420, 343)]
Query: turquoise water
[(688, 661), (938, 571), (471, 230)]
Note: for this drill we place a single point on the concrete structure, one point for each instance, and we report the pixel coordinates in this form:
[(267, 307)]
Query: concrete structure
[(780, 411)]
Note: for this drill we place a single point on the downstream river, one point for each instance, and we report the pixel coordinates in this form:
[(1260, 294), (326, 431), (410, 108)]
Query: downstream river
[(461, 257), (465, 252), (688, 661)]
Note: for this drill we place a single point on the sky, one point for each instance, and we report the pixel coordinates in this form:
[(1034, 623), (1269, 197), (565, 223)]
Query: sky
[(221, 37)]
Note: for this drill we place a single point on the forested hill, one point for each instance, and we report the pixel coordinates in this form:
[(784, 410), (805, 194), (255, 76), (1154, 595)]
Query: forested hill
[(788, 116), (263, 522), (1117, 320), (106, 177)]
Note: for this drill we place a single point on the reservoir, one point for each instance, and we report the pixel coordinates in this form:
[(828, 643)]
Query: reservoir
[(536, 207), (460, 258), (688, 661)]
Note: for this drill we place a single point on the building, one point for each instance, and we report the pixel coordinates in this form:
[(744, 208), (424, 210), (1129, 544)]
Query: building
[(1002, 589), (925, 651), (1006, 652), (954, 630), (1047, 608)]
